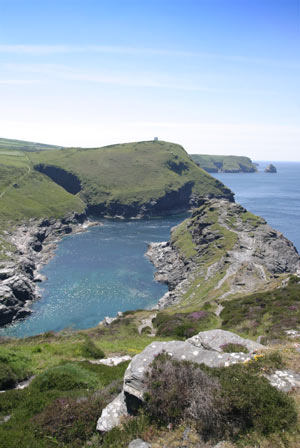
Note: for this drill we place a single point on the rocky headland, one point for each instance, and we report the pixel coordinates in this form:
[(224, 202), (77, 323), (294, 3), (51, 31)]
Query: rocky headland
[(221, 251)]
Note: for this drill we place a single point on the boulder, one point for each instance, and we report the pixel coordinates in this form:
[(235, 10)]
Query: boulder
[(135, 375), (215, 339), (21, 287), (139, 443), (134, 385), (112, 414)]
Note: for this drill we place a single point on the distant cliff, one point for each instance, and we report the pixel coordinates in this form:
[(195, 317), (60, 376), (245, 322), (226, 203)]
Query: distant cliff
[(224, 164)]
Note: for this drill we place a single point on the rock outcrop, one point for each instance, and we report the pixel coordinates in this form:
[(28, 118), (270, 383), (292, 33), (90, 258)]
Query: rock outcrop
[(33, 245), (190, 350), (271, 169), (223, 246)]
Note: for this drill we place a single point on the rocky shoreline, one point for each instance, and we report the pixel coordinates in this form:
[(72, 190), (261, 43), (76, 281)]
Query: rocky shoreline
[(34, 245), (259, 256)]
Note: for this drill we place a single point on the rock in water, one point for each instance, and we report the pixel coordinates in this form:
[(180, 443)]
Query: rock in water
[(271, 169)]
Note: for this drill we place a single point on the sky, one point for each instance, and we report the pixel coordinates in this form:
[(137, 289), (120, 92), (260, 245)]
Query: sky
[(216, 76)]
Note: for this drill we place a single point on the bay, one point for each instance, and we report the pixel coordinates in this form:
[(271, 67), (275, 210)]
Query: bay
[(96, 274)]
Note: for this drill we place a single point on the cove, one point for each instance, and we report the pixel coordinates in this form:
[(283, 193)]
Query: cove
[(96, 274)]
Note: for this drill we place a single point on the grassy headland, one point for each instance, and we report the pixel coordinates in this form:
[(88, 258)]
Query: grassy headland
[(224, 164)]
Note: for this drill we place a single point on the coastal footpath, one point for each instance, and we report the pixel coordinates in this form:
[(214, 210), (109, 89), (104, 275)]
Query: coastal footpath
[(221, 251)]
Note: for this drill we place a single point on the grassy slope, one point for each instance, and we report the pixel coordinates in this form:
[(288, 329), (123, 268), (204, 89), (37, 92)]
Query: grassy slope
[(213, 163), (21, 145), (47, 400), (26, 193), (126, 173), (132, 172)]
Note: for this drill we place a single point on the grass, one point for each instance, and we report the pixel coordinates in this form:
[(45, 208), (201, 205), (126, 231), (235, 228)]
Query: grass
[(132, 172), (184, 325), (125, 175), (63, 402), (267, 313), (226, 164)]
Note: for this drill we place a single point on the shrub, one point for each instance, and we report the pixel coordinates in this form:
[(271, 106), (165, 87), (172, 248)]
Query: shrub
[(234, 348), (69, 420), (121, 436), (90, 350), (17, 363), (268, 313), (252, 403), (182, 390), (8, 378), (65, 377), (183, 325), (228, 401)]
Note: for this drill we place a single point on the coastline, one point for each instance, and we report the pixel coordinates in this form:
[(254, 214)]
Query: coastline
[(35, 243)]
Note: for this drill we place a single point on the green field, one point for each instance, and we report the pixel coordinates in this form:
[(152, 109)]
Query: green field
[(224, 164)]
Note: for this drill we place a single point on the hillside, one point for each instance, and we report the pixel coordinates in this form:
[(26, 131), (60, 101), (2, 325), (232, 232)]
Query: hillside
[(224, 164), (220, 253), (128, 179)]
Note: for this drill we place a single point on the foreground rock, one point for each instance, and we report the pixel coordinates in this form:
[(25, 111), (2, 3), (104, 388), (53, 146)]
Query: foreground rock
[(139, 443), (216, 340), (223, 246), (31, 246), (135, 375)]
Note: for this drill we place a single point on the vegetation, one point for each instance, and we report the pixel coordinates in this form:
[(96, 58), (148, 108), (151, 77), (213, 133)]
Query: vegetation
[(61, 405), (224, 164), (226, 402), (268, 313), (184, 325), (131, 173)]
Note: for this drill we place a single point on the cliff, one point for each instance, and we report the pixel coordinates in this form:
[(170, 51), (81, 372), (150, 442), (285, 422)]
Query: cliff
[(224, 164), (220, 252)]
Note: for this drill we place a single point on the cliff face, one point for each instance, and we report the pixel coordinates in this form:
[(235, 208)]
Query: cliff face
[(19, 274), (221, 251)]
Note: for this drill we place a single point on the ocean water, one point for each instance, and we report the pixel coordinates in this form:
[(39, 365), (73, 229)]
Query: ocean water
[(275, 197), (103, 271), (96, 274)]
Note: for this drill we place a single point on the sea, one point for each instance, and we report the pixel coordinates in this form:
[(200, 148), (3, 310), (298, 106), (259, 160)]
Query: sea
[(105, 270)]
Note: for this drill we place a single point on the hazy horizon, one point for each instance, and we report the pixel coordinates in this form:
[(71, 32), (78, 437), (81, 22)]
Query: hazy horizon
[(216, 77)]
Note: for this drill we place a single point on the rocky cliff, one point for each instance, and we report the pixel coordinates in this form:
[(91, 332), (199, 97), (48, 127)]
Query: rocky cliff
[(30, 246), (221, 251)]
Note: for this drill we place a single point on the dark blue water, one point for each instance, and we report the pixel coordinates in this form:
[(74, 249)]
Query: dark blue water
[(96, 274), (275, 197)]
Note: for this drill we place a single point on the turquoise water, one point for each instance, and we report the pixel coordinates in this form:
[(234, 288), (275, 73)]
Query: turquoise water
[(103, 271), (275, 197), (96, 274)]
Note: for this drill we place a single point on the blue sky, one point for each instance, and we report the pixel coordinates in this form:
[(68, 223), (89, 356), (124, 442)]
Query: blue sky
[(217, 76)]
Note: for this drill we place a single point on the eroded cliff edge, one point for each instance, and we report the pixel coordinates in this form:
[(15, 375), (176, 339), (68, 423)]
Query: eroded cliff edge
[(221, 251), (29, 246)]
